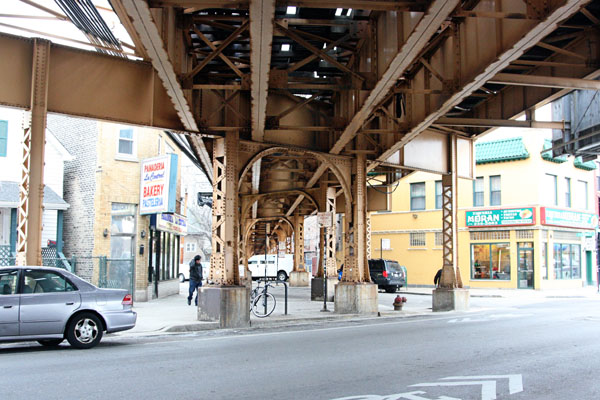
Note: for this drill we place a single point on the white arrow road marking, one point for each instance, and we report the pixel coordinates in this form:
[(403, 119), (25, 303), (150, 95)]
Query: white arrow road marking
[(515, 381), (488, 388), (413, 396)]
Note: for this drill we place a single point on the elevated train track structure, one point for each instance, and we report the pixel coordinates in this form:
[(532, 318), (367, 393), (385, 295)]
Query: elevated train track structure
[(298, 107)]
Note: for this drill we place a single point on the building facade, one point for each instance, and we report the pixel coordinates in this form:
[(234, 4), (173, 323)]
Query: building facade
[(11, 160), (526, 221), (112, 243)]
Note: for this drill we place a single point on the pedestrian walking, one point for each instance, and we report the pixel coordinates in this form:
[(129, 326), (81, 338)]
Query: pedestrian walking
[(437, 278), (195, 278)]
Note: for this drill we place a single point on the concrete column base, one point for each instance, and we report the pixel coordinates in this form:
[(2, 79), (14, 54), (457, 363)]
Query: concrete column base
[(450, 299), (356, 298), (227, 305), (316, 289), (299, 279)]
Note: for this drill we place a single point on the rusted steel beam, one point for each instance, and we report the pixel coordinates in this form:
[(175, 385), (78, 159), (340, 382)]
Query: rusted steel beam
[(216, 52), (489, 67)]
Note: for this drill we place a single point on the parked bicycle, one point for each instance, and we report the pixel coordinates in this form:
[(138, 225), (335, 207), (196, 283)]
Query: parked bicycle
[(262, 303)]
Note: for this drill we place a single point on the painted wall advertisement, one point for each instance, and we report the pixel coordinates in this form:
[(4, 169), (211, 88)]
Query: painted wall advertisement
[(501, 217), (158, 184), (568, 218)]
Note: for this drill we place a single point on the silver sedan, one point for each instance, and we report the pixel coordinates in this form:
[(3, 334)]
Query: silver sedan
[(50, 305)]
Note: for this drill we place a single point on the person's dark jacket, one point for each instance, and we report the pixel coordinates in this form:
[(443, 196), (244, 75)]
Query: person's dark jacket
[(438, 276), (195, 271)]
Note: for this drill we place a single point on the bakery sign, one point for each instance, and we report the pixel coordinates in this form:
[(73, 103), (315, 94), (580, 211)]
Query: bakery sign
[(158, 184), (501, 217), (568, 218)]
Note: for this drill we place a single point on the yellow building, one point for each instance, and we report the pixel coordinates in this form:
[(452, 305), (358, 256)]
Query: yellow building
[(526, 221)]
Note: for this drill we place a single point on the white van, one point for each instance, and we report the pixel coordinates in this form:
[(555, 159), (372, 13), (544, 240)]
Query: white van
[(277, 267)]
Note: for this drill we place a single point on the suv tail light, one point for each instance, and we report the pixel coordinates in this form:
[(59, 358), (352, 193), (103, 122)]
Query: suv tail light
[(127, 300), (385, 274)]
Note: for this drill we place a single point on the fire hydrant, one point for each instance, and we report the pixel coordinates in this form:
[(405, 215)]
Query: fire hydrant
[(399, 302)]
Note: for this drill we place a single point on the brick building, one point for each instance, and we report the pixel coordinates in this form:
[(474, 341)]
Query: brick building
[(103, 228)]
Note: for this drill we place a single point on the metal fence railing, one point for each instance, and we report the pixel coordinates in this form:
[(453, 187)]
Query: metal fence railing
[(115, 273)]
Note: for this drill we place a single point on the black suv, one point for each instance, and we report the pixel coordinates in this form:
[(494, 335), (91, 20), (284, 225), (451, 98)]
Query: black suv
[(387, 274)]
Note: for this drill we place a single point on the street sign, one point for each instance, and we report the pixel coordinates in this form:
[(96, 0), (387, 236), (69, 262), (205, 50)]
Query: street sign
[(325, 219)]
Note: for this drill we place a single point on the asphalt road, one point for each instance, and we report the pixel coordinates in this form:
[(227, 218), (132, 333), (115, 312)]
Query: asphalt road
[(547, 350)]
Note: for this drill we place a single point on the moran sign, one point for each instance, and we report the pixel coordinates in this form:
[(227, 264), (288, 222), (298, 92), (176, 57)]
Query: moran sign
[(501, 217), (158, 184)]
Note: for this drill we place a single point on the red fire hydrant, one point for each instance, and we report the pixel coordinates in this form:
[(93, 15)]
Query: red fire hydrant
[(399, 302)]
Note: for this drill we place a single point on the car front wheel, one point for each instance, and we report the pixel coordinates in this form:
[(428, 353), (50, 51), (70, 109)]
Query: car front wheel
[(181, 278), (84, 331)]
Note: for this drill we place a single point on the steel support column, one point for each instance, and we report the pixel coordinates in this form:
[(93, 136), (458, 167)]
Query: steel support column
[(29, 240), (299, 243), (450, 273), (224, 259), (355, 228), (330, 236)]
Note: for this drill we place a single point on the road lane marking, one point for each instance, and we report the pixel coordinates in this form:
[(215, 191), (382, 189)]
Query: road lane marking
[(515, 381), (488, 388), (487, 382)]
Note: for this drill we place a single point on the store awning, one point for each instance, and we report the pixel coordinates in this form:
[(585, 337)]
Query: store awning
[(500, 150)]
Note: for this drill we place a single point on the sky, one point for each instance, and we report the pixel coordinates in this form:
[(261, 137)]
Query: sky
[(11, 12)]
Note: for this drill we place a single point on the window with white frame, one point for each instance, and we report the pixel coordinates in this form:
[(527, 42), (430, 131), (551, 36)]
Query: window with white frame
[(126, 143), (567, 192), (439, 239), (190, 247), (582, 194), (417, 239), (438, 195), (551, 189), (417, 196), (478, 192), (495, 191)]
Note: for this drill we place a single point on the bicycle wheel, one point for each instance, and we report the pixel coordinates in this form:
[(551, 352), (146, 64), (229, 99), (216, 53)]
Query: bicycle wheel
[(263, 305)]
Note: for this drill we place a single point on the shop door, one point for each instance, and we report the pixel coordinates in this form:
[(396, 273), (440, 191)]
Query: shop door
[(525, 272)]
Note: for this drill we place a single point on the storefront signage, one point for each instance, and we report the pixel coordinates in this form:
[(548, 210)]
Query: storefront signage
[(501, 217), (172, 223), (568, 218), (158, 184)]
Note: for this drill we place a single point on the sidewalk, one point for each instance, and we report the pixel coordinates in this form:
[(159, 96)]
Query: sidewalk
[(173, 315)]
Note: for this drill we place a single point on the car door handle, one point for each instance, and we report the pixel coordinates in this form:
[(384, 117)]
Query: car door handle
[(7, 306), (70, 303)]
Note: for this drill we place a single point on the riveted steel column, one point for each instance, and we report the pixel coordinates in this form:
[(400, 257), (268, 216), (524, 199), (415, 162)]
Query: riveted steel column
[(450, 274), (299, 243), (224, 258), (29, 240), (330, 236), (355, 232)]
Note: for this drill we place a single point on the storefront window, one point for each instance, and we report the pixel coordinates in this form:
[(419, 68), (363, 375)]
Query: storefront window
[(567, 261), (490, 261)]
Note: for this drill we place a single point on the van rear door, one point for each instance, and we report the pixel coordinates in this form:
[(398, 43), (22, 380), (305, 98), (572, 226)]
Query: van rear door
[(376, 268)]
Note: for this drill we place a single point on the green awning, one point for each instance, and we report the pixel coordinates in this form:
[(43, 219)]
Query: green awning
[(588, 166), (547, 155), (500, 150)]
